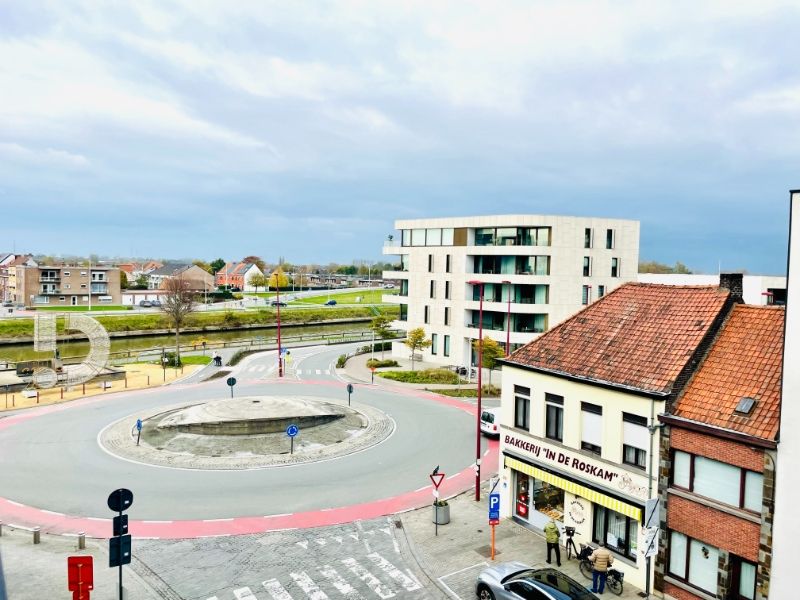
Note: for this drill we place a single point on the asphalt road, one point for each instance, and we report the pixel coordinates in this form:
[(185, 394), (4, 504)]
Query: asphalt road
[(53, 461)]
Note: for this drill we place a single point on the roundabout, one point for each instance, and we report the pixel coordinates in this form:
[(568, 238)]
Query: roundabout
[(59, 463)]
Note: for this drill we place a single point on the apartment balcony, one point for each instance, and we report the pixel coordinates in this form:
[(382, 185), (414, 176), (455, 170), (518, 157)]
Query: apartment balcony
[(393, 248), (395, 274), (99, 288), (49, 291), (50, 279), (394, 298), (502, 307)]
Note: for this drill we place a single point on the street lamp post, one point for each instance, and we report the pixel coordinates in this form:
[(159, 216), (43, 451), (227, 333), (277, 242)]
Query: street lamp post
[(480, 391), (508, 319)]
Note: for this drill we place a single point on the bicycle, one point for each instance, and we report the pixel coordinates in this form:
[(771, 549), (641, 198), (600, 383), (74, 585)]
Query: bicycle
[(570, 545), (614, 578)]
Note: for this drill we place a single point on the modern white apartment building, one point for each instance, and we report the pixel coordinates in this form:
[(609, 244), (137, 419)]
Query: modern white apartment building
[(536, 271)]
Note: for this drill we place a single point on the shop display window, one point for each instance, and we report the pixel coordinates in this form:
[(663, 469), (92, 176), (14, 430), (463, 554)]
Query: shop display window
[(548, 499)]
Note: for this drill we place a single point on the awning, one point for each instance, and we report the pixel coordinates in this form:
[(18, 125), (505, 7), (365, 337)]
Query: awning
[(575, 488)]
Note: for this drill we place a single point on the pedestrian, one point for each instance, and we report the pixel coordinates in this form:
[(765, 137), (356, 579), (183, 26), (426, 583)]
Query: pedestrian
[(552, 535), (601, 560)]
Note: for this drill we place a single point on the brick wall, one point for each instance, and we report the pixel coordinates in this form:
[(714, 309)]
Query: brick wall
[(727, 451), (679, 593), (714, 527)]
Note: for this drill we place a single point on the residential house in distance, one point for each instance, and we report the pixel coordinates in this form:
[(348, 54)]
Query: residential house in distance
[(199, 279), (64, 285), (758, 290), (718, 457), (237, 276), (535, 271), (578, 434), (7, 283)]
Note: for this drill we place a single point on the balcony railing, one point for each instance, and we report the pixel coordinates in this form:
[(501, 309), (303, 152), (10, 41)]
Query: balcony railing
[(49, 291), (50, 279)]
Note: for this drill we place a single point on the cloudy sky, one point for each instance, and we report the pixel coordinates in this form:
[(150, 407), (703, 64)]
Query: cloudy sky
[(304, 129)]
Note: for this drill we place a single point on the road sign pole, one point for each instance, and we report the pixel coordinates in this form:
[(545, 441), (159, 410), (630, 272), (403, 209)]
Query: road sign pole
[(493, 526), (120, 566), (291, 447), (138, 437)]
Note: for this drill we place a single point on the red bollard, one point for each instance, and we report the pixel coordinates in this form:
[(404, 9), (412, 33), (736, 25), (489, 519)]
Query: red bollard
[(62, 393), (37, 396), (84, 389)]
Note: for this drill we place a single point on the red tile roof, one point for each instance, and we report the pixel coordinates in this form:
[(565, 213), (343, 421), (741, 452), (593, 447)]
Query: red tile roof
[(639, 336), (745, 361)]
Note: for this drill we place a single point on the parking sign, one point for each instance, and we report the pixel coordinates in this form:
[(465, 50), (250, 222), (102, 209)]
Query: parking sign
[(494, 507)]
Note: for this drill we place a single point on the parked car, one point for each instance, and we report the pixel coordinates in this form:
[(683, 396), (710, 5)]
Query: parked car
[(155, 303), (490, 419), (276, 303), (388, 286), (145, 303), (8, 304), (330, 302), (517, 581)]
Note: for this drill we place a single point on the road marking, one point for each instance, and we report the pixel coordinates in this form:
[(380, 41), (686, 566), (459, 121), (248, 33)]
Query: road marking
[(338, 538), (308, 586), (97, 519), (217, 520), (327, 371), (424, 487), (15, 503), (354, 536), (320, 541), (339, 583), (372, 582), (276, 590), (278, 515), (456, 475), (384, 565), (303, 545), (244, 594), (319, 372), (51, 512), (156, 521)]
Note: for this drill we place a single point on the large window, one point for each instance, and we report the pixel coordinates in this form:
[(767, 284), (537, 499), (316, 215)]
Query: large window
[(718, 481), (522, 407), (619, 532), (635, 438), (592, 427), (744, 578), (403, 313), (554, 418), (694, 562)]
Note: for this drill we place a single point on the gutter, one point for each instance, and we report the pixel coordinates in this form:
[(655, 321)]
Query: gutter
[(718, 431)]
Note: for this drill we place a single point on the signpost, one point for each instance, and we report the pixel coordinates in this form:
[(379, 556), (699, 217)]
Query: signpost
[(436, 479), (494, 514), (291, 431), (119, 547), (231, 381), (349, 391), (80, 576), (139, 430)]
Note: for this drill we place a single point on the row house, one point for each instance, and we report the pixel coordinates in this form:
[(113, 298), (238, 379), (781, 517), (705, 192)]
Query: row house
[(579, 435), (718, 458), (198, 279), (238, 276)]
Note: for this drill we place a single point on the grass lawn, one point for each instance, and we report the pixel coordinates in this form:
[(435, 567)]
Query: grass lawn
[(95, 307), (367, 297), (426, 376), (489, 391), (195, 360)]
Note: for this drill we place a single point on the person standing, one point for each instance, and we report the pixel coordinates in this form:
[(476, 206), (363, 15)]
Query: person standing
[(552, 535), (601, 560)]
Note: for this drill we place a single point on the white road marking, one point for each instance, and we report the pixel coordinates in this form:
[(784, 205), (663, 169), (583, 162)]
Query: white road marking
[(308, 586), (298, 371), (319, 372), (14, 503), (217, 520), (339, 583), (456, 475), (303, 545), (51, 512), (372, 582), (354, 536), (156, 521), (278, 515), (424, 487), (327, 371), (384, 565), (276, 590), (338, 538), (244, 594), (447, 587), (213, 598), (97, 519), (320, 541)]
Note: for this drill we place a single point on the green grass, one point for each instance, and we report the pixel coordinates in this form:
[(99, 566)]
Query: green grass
[(367, 297), (489, 391), (100, 307), (426, 376), (195, 360), (12, 328)]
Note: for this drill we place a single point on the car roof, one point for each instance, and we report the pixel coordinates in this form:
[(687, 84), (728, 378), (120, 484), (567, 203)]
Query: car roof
[(554, 582)]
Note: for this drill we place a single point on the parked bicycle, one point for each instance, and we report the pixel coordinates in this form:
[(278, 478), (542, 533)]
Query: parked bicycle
[(614, 578)]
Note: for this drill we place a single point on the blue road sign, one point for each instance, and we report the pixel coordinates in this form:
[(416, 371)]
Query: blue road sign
[(138, 424), (494, 507), (292, 430)]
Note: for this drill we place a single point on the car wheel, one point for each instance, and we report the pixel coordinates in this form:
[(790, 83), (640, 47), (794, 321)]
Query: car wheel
[(484, 593)]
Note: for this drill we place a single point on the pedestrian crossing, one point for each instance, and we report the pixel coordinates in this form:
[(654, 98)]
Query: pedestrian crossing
[(313, 371), (263, 368), (346, 578)]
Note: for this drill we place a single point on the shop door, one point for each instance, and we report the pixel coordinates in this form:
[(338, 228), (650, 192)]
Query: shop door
[(522, 496)]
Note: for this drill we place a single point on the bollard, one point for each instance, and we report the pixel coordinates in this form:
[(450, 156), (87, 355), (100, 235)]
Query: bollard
[(37, 396), (81, 540), (126, 381), (1, 529), (36, 533), (84, 389), (148, 380), (62, 393)]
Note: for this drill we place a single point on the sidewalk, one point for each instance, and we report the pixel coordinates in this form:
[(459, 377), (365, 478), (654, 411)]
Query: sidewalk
[(453, 559)]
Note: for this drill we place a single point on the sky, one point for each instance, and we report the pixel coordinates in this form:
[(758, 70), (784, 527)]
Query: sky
[(303, 130)]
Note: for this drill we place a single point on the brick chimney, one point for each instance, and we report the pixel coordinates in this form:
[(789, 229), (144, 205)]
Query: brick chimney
[(733, 283)]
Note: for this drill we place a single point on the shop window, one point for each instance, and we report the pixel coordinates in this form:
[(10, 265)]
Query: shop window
[(522, 498), (592, 427), (522, 407), (717, 480), (547, 499), (635, 438), (619, 532), (694, 562), (554, 418)]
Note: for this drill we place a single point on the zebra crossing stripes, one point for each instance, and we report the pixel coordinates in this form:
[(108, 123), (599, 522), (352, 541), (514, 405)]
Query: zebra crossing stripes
[(244, 594), (276, 590), (313, 371), (384, 565), (308, 586), (372, 582)]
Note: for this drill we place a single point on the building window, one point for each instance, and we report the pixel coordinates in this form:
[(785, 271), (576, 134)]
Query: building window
[(447, 259), (587, 266), (447, 345), (587, 237), (403, 313), (447, 290), (433, 237), (417, 237), (66, 273), (586, 295), (592, 427), (718, 481), (434, 343), (609, 239), (83, 273), (635, 438), (601, 291), (619, 532), (433, 289), (427, 314), (615, 267), (693, 561), (522, 407), (83, 285), (447, 315), (744, 578), (67, 286), (554, 418), (430, 263)]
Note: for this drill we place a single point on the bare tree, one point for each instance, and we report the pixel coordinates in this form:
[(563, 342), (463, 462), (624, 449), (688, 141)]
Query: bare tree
[(177, 303)]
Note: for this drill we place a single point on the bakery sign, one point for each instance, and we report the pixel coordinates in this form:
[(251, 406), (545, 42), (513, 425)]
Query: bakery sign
[(579, 465)]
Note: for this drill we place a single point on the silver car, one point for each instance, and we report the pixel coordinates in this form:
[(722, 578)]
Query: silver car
[(517, 581)]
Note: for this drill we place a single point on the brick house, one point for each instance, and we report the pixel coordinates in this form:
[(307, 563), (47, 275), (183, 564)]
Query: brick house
[(198, 279), (717, 471), (237, 276), (64, 285)]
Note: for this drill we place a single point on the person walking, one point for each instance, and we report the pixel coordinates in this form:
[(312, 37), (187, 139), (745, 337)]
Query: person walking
[(601, 560), (552, 535)]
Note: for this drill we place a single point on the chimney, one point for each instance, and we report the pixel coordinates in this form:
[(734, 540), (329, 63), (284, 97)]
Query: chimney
[(733, 283)]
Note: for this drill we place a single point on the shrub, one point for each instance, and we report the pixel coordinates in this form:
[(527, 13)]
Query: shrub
[(426, 376), (231, 319), (239, 355), (172, 359), (341, 361), (374, 362)]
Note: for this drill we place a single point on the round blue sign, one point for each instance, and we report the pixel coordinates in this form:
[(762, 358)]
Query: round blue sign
[(292, 430)]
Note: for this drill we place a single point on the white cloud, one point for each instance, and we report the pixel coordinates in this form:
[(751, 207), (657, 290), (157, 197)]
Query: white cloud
[(48, 156)]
